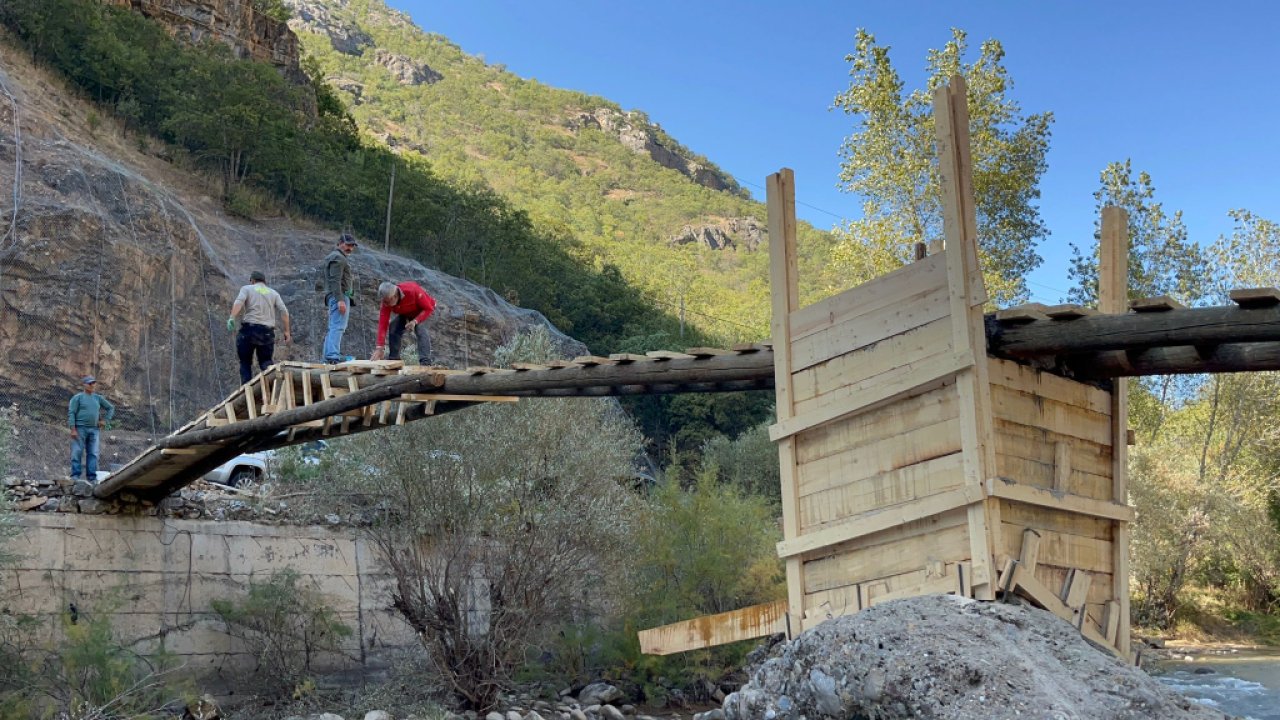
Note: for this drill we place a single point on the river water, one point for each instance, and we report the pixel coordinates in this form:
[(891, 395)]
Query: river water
[(1245, 683)]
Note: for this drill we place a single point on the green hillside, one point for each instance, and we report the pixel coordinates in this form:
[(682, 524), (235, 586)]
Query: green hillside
[(558, 155)]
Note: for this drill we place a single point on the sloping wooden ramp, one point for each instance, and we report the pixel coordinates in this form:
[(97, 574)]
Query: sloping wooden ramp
[(292, 402)]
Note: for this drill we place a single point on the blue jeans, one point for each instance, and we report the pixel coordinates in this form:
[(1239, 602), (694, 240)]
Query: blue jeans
[(337, 326), (85, 444)]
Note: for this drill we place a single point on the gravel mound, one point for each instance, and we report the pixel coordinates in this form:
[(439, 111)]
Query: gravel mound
[(942, 656)]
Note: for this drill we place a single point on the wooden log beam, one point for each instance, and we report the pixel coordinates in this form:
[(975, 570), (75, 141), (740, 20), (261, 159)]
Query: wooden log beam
[(1232, 357), (1133, 331), (719, 369)]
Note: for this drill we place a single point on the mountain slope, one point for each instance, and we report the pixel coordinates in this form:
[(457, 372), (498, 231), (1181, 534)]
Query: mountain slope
[(122, 265), (674, 224)]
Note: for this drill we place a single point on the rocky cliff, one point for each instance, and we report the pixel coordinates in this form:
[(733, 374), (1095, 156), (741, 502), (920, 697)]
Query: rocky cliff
[(114, 262), (234, 22)]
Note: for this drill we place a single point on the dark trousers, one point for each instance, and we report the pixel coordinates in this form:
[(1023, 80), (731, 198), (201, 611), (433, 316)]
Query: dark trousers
[(254, 339), (395, 333)]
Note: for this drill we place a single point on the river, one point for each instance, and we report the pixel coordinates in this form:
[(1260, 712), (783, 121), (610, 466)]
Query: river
[(1238, 682)]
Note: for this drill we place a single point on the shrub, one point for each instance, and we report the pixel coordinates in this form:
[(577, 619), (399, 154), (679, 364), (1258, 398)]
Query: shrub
[(285, 625), (501, 521), (88, 675)]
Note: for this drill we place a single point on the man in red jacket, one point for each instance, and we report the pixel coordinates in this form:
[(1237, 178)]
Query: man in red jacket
[(411, 306)]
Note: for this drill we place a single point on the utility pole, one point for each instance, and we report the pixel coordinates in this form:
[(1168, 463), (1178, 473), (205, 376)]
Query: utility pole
[(386, 238)]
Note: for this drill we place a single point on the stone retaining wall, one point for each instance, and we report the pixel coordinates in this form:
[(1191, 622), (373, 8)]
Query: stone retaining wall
[(157, 577)]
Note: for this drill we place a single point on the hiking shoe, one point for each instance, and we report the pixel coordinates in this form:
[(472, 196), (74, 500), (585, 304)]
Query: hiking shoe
[(339, 360)]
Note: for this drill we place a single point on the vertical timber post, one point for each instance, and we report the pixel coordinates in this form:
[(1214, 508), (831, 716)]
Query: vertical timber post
[(964, 276), (1113, 297), (785, 289)]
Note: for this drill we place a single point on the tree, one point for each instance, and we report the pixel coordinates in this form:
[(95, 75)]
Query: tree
[(1162, 261), (500, 522), (1249, 256), (890, 161)]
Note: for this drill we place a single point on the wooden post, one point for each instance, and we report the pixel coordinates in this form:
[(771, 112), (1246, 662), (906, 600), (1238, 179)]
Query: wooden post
[(1113, 291), (785, 289), (951, 118)]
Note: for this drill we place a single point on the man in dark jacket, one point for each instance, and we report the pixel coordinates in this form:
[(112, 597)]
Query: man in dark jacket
[(84, 417), (405, 308), (338, 295)]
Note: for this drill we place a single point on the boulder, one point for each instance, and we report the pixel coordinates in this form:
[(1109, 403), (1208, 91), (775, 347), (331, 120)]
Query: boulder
[(378, 715), (599, 694)]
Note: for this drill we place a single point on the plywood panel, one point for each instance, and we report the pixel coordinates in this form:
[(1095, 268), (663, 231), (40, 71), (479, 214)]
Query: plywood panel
[(942, 538), (866, 428), (870, 327), (871, 459), (812, 383), (1064, 550), (887, 290), (1050, 414), (909, 483)]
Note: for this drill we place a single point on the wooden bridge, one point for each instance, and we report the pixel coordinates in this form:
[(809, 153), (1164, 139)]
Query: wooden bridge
[(293, 402)]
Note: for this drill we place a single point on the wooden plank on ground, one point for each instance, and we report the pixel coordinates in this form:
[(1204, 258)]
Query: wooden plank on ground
[(1027, 585), (711, 630), (628, 358), (592, 360)]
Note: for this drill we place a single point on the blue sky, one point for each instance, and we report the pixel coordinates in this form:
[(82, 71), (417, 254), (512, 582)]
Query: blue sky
[(1189, 91)]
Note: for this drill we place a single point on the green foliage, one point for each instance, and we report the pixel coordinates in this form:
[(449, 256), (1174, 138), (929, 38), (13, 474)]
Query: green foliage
[(274, 9), (89, 674), (285, 624), (890, 161), (496, 522), (748, 462), (1162, 261), (705, 550), (1202, 484)]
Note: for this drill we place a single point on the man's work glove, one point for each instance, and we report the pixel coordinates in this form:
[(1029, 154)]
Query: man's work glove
[(231, 324), (409, 326)]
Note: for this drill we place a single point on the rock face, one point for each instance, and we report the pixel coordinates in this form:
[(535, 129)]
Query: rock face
[(234, 22), (310, 15), (639, 137), (405, 70), (946, 657), (121, 266), (746, 233)]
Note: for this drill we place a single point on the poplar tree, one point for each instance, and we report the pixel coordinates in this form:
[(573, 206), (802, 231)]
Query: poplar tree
[(890, 161)]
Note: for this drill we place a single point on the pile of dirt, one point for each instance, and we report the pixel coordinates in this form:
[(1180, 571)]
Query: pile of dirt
[(954, 658)]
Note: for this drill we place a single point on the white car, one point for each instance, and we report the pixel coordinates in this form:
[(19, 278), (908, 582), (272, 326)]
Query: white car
[(253, 466), (240, 470)]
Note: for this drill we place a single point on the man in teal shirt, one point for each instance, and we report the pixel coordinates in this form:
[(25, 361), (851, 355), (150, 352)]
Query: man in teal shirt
[(84, 416)]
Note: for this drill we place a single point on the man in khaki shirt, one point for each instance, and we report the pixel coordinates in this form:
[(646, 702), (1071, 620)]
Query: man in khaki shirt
[(262, 306)]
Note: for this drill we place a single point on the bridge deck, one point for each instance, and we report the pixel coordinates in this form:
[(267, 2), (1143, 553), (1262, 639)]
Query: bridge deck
[(292, 402)]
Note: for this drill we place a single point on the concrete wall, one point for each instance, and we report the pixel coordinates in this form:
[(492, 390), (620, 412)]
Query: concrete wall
[(158, 576)]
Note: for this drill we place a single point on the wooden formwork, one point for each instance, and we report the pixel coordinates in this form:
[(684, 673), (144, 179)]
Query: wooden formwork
[(913, 463)]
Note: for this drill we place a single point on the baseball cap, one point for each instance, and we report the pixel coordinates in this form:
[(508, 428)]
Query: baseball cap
[(347, 239), (88, 380)]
